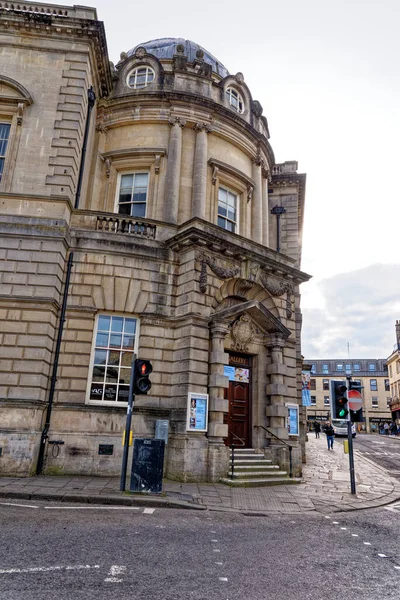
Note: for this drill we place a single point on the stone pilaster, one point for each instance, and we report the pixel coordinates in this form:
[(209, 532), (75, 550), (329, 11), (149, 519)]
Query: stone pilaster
[(200, 171), (174, 169), (265, 211), (256, 203), (276, 389)]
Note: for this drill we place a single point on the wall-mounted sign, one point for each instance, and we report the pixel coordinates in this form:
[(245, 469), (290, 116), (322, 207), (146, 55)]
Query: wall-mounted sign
[(293, 419), (305, 388), (197, 412)]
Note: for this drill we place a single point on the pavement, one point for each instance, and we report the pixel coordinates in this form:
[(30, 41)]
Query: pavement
[(325, 488)]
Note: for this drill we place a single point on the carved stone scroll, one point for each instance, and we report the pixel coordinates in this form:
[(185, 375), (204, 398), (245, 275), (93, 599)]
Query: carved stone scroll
[(221, 272), (278, 288)]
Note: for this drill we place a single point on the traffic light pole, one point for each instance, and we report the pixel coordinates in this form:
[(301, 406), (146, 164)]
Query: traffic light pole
[(131, 404), (350, 439)]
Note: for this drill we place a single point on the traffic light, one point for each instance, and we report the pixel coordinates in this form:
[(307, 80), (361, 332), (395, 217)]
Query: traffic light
[(143, 368), (339, 401)]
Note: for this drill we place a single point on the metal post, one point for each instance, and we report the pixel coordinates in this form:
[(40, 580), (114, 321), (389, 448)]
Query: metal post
[(233, 459), (290, 462), (350, 439), (131, 404), (351, 457), (91, 101), (278, 211)]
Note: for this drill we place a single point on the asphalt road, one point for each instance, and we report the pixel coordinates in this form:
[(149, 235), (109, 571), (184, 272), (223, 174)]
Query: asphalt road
[(72, 553), (382, 450)]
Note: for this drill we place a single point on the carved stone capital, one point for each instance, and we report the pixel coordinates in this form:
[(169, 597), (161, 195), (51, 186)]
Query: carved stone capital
[(177, 121), (275, 340), (203, 127), (157, 164), (214, 177), (250, 190)]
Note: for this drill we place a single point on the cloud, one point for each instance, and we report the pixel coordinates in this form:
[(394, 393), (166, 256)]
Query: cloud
[(359, 308)]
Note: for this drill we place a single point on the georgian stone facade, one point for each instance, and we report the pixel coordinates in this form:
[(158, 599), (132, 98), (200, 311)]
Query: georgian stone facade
[(175, 252)]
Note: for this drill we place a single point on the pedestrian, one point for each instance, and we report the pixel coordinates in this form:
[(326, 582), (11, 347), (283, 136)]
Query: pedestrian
[(330, 435), (317, 428), (386, 428), (393, 428)]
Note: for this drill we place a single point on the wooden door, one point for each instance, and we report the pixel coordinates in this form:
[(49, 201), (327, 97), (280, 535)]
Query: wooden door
[(238, 417)]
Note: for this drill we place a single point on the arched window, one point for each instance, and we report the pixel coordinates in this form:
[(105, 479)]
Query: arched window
[(140, 77), (235, 99)]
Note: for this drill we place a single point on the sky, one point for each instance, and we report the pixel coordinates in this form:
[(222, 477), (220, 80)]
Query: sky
[(327, 76)]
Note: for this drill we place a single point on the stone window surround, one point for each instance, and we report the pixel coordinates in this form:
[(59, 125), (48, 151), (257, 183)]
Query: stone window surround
[(112, 403), (129, 160), (12, 111), (226, 176)]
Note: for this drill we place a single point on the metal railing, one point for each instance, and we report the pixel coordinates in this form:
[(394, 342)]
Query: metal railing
[(232, 447), (282, 442)]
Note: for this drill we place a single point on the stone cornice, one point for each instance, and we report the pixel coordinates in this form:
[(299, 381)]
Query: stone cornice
[(71, 22), (206, 236)]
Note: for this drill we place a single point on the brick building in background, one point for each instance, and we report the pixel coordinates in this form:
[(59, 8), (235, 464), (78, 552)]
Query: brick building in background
[(373, 376), (151, 185)]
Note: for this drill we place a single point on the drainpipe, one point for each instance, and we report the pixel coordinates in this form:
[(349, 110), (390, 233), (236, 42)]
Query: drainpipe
[(91, 101), (44, 436)]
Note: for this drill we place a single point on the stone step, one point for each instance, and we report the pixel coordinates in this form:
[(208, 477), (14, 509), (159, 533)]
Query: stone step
[(253, 474), (249, 468), (248, 457), (261, 482), (255, 461), (245, 451)]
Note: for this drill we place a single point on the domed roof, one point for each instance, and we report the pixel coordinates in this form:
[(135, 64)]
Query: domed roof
[(165, 48)]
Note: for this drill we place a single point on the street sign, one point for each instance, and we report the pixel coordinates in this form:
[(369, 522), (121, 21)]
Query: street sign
[(355, 400)]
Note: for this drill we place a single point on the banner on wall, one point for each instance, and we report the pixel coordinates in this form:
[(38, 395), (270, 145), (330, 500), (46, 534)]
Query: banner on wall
[(305, 388), (197, 412), (293, 419)]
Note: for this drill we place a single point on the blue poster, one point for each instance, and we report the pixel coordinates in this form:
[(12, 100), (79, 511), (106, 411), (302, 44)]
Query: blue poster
[(229, 372), (305, 388), (293, 422)]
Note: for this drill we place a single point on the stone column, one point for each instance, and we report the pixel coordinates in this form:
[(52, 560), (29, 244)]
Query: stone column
[(256, 203), (218, 460), (200, 171), (276, 389), (173, 170), (265, 210)]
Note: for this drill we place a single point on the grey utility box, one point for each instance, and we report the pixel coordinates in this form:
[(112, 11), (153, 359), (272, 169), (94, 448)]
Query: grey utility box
[(162, 430)]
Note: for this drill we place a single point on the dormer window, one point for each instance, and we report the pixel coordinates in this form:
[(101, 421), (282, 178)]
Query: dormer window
[(140, 77), (235, 100)]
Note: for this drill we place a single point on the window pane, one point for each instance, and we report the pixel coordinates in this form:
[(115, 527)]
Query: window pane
[(100, 357), (110, 392), (141, 180), (221, 222), (112, 374), (104, 323), (127, 182), (129, 341), (115, 341), (113, 358), (222, 210), (150, 76), (117, 324), (138, 210), (102, 339), (124, 209), (124, 375), (126, 359), (96, 391), (123, 393), (130, 326), (98, 373)]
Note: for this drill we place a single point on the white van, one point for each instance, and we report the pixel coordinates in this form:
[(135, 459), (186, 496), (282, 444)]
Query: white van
[(340, 428)]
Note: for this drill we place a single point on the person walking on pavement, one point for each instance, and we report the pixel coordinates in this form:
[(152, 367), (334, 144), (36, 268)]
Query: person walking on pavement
[(317, 428), (386, 428), (330, 435)]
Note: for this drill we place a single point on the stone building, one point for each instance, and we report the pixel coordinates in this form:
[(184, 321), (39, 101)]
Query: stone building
[(393, 363), (371, 374), (144, 198)]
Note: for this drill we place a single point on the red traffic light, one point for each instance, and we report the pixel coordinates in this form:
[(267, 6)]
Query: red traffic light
[(143, 368)]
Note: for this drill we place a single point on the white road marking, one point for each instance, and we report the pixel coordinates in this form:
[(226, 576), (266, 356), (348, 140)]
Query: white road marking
[(148, 511), (45, 569), (354, 534), (113, 573), (396, 567), (344, 528), (22, 505), (335, 522), (216, 550), (214, 540), (382, 555), (219, 563), (92, 507), (223, 578), (213, 532), (367, 543), (326, 517)]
